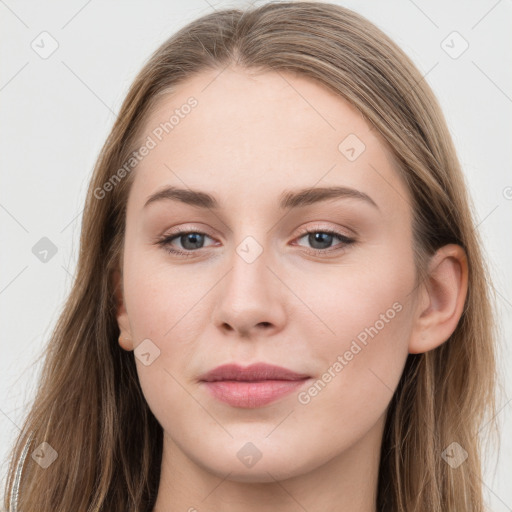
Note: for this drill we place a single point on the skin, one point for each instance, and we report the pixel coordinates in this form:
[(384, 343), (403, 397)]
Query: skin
[(251, 137)]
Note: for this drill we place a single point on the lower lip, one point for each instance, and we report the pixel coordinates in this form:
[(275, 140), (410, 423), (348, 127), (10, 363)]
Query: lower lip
[(252, 394)]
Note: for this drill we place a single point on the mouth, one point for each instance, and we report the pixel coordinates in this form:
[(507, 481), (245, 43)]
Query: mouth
[(253, 386)]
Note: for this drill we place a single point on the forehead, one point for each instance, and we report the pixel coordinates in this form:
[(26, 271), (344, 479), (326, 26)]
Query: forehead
[(237, 132)]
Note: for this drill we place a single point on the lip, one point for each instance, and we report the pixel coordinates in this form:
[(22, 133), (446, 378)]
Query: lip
[(252, 386)]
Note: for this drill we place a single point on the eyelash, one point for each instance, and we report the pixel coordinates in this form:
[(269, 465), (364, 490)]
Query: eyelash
[(167, 239)]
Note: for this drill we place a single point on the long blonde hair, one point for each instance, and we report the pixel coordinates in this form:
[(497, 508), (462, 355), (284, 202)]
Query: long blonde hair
[(90, 407)]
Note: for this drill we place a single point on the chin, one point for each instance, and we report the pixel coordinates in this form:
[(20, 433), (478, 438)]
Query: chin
[(265, 470)]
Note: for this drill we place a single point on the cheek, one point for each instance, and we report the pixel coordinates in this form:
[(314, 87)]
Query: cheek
[(360, 366), (165, 305), (366, 324), (366, 301), (161, 299)]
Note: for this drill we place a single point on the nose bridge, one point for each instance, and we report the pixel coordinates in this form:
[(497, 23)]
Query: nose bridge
[(249, 280), (249, 296)]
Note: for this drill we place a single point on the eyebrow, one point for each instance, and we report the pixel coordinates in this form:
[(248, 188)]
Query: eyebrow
[(288, 199)]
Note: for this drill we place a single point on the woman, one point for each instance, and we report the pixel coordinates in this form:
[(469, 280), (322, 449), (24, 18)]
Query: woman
[(328, 345)]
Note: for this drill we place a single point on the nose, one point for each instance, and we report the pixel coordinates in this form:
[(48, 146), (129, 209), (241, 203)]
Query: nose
[(251, 299)]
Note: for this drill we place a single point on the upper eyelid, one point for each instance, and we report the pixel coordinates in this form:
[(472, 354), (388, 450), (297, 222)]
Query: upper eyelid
[(305, 231)]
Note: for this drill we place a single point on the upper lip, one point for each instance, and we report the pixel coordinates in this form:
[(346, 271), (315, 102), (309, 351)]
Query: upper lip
[(253, 372)]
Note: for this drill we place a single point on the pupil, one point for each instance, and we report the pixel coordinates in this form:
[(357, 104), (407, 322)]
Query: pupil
[(193, 238), (320, 237)]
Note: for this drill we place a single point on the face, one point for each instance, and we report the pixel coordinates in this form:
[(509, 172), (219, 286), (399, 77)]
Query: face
[(319, 284)]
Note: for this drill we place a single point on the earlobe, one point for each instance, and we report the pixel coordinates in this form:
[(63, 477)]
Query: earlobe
[(125, 343), (125, 337), (443, 296)]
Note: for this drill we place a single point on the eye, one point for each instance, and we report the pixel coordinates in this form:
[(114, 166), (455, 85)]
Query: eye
[(190, 241), (321, 240)]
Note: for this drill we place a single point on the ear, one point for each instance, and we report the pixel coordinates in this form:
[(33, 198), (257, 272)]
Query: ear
[(125, 336), (441, 299)]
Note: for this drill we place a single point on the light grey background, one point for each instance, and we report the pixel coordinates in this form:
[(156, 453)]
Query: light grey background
[(57, 111)]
